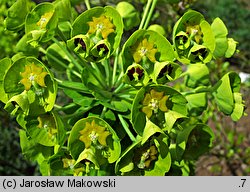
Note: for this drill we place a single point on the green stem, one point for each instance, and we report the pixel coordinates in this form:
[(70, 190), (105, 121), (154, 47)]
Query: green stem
[(125, 126), (41, 49), (115, 66), (145, 14), (201, 90), (97, 71), (62, 64), (60, 108), (61, 85), (107, 71), (103, 112), (74, 61), (119, 80), (88, 67), (87, 4), (67, 133), (61, 35), (150, 14), (117, 90)]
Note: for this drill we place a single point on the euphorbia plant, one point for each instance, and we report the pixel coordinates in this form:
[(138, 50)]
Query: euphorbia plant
[(94, 103)]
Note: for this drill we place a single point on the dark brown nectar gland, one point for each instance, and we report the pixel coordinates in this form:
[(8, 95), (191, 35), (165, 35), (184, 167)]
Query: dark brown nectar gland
[(201, 52), (133, 72), (182, 39), (81, 42), (167, 69), (103, 47)]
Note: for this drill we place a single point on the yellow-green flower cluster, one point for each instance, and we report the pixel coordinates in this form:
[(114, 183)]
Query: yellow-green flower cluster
[(95, 134), (194, 31), (153, 102), (68, 163), (48, 123), (147, 157), (32, 75), (101, 25), (42, 23), (144, 49)]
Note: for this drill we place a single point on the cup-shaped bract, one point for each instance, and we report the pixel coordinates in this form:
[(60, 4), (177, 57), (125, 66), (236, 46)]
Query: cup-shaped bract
[(165, 72), (80, 44), (17, 14), (228, 97), (158, 103), (157, 28), (94, 136), (63, 9), (103, 27), (149, 158), (18, 103), (197, 75), (146, 47), (193, 39), (193, 140), (47, 129), (32, 76), (136, 75), (100, 50), (41, 23), (4, 66), (129, 14), (225, 47)]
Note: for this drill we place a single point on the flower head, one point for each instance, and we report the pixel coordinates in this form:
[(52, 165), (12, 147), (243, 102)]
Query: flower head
[(144, 157), (44, 20), (195, 32), (101, 25), (68, 163), (48, 123), (33, 74), (92, 133), (144, 49), (154, 101)]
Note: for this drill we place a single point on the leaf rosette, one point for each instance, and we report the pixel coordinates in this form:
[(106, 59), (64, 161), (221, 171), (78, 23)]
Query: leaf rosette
[(97, 32), (193, 38)]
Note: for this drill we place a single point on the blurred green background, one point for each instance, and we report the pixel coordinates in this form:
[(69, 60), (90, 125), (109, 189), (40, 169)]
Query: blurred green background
[(231, 154)]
